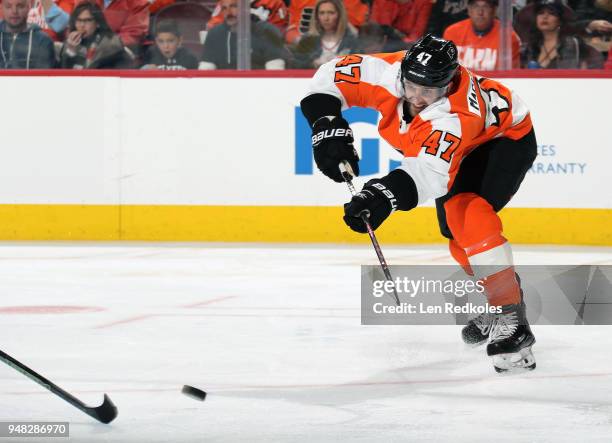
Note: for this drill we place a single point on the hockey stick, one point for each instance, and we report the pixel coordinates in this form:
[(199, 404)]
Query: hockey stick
[(104, 413), (347, 175)]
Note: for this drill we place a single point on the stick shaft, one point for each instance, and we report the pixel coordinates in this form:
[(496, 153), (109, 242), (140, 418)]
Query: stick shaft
[(346, 174)]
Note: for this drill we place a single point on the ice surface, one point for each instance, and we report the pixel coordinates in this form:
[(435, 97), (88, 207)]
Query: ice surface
[(273, 334)]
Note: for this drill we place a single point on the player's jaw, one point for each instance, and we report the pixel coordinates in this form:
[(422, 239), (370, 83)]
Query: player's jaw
[(416, 109)]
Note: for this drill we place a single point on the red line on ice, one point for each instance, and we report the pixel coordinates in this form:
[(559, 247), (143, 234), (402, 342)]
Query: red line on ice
[(145, 316), (50, 309), (208, 302), (125, 320), (226, 388)]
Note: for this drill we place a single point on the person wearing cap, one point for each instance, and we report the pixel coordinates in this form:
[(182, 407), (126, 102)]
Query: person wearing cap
[(551, 43), (477, 37), (467, 142)]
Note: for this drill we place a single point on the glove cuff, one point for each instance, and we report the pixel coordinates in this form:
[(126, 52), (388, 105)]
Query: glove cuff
[(316, 106), (403, 188)]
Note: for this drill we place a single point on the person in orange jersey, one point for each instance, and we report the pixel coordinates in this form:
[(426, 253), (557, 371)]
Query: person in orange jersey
[(477, 37), (467, 142)]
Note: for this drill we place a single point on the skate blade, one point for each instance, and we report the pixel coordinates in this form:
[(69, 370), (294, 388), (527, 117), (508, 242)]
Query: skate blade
[(516, 362)]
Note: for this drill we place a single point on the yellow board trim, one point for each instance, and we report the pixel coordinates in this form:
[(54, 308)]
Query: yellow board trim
[(305, 224)]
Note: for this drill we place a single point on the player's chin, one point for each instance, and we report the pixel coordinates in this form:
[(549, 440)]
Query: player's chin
[(418, 108)]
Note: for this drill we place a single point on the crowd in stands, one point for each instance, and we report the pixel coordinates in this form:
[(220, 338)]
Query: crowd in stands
[(295, 34)]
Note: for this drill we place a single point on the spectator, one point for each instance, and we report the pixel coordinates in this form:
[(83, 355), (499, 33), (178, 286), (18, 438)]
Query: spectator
[(272, 11), (410, 17), (551, 45), (23, 46), (477, 37), (51, 16), (301, 14), (220, 47), (594, 16), (167, 53), (127, 18), (90, 43), (595, 19), (609, 61), (328, 37), (444, 13)]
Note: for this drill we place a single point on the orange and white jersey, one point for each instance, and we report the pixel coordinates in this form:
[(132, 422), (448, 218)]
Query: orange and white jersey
[(474, 111)]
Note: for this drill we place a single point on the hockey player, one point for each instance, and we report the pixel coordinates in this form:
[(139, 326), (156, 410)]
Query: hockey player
[(467, 142)]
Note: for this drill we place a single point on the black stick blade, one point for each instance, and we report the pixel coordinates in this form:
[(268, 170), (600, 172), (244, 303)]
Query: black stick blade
[(104, 413)]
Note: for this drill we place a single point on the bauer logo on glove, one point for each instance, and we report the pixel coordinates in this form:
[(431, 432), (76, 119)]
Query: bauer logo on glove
[(379, 198), (332, 141), (331, 133), (387, 194), (375, 201)]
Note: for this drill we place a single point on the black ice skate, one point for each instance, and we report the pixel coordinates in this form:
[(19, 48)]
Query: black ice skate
[(476, 332), (510, 340)]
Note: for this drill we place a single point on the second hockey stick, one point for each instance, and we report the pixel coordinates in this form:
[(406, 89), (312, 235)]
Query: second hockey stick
[(104, 413), (347, 174)]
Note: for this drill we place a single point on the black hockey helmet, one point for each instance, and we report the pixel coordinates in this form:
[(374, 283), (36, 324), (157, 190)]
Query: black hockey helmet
[(431, 62)]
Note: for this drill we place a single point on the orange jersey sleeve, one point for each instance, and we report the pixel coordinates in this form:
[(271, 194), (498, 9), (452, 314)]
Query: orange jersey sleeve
[(361, 80)]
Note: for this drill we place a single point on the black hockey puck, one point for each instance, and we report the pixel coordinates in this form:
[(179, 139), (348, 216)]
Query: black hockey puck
[(194, 393)]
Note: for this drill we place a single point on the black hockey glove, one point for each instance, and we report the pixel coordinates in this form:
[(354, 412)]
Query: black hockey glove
[(332, 143), (379, 198)]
